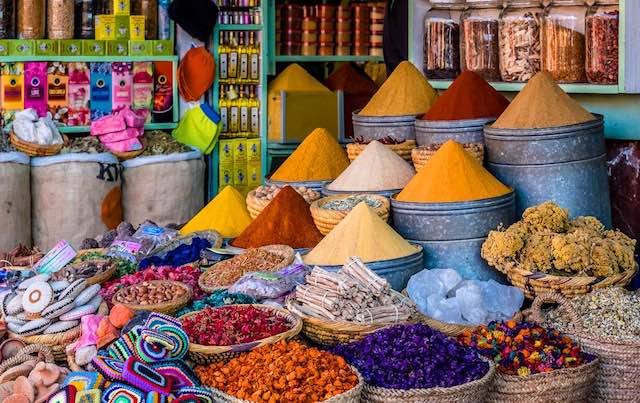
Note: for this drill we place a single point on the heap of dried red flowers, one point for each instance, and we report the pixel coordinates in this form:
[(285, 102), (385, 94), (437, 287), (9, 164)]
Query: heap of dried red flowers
[(231, 325)]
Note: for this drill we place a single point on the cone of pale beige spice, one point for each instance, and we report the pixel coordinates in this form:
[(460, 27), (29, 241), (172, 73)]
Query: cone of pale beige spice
[(541, 104)]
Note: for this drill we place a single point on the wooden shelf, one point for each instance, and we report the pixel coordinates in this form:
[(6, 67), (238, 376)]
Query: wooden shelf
[(71, 59), (583, 88), (332, 58)]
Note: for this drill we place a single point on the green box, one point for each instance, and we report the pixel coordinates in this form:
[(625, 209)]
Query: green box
[(122, 27), (94, 48), (162, 47), (141, 48), (117, 48), (70, 47), (4, 48), (22, 48), (46, 47)]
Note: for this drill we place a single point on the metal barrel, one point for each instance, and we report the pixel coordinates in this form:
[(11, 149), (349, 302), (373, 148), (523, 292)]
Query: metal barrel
[(315, 185), (440, 131), (385, 193), (452, 234), (396, 271), (565, 164), (369, 128)]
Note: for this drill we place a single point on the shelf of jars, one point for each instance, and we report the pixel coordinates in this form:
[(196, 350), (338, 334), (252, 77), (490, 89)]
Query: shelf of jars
[(509, 42), (328, 58)]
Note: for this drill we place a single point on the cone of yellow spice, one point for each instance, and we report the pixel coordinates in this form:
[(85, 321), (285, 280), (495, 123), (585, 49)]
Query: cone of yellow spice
[(452, 175), (361, 233), (227, 213), (318, 158), (405, 92)]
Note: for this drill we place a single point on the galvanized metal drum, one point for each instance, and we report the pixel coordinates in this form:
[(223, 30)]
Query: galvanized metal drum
[(385, 193), (315, 185), (396, 271), (440, 131), (452, 233), (564, 164), (369, 128)]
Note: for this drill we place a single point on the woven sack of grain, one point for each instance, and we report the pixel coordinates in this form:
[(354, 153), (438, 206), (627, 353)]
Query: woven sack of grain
[(15, 199)]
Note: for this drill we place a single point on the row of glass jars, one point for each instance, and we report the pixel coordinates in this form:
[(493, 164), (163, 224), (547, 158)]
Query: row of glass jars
[(573, 41)]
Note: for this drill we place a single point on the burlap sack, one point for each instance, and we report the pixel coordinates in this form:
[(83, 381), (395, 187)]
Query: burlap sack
[(74, 196), (15, 201), (163, 188)]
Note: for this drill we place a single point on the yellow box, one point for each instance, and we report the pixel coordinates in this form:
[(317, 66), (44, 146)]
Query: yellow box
[(105, 27), (254, 153), (136, 27), (121, 7), (226, 152), (240, 151), (240, 174), (254, 174), (226, 175)]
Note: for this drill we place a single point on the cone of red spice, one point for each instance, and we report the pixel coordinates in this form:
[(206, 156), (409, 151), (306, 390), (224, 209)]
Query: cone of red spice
[(351, 80), (468, 97), (286, 220)]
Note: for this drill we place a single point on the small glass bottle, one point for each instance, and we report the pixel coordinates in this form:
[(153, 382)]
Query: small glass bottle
[(602, 27), (30, 22), (520, 40), (479, 49), (84, 12), (148, 8), (7, 19), (442, 39), (563, 41)]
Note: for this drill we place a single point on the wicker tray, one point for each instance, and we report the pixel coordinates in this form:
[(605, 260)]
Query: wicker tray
[(36, 150), (203, 355), (212, 236), (286, 252), (470, 392), (127, 155), (421, 155), (102, 276), (256, 205), (58, 342), (326, 219), (618, 377), (402, 149), (164, 307)]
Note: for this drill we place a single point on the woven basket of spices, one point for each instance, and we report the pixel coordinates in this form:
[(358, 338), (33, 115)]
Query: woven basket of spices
[(421, 155), (207, 354), (329, 211), (161, 296), (223, 274), (403, 149), (34, 149), (618, 375), (470, 392), (260, 197)]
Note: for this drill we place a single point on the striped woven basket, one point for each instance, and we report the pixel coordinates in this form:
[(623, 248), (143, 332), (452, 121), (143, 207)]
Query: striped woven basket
[(421, 155), (204, 355), (326, 219), (402, 149), (618, 375)]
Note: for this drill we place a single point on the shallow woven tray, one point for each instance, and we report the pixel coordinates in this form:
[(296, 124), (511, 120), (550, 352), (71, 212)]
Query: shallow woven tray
[(618, 377), (58, 342), (470, 392), (36, 150), (168, 307), (203, 355), (127, 155), (212, 236), (102, 276), (256, 205), (326, 219), (403, 149), (421, 155), (286, 252)]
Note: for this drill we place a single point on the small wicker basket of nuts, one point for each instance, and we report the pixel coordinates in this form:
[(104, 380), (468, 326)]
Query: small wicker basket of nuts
[(161, 296)]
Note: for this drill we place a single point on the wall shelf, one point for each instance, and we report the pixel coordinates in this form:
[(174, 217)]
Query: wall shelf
[(72, 59), (584, 88), (239, 27), (148, 126), (331, 58)]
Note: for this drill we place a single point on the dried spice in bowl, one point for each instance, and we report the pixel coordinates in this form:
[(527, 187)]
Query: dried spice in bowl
[(348, 203)]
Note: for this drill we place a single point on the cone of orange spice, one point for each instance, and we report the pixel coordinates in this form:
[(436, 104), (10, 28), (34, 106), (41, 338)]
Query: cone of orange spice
[(281, 372)]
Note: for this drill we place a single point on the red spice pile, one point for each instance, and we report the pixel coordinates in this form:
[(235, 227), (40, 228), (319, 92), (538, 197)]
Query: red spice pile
[(468, 97), (351, 80), (231, 325), (286, 220)]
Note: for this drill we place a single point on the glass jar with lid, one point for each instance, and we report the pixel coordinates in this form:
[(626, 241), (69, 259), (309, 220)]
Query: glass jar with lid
[(520, 40), (602, 24), (442, 39), (479, 49), (563, 40)]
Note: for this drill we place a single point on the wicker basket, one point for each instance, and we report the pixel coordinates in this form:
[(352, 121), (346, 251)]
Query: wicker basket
[(326, 219), (421, 155), (351, 396), (26, 354), (102, 276), (256, 205), (330, 333), (164, 307), (402, 149), (619, 370), (127, 155), (286, 252), (470, 392), (34, 149), (212, 236), (204, 355), (58, 342)]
